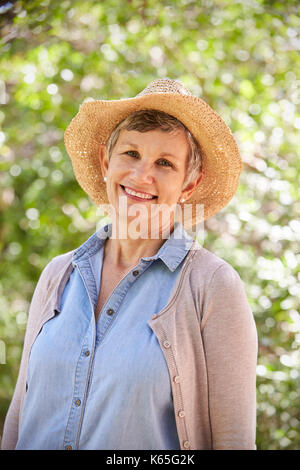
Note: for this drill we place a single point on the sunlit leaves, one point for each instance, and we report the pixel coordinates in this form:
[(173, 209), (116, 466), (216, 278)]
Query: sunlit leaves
[(243, 59)]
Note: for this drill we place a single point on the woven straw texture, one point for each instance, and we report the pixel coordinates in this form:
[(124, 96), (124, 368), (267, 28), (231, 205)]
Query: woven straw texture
[(96, 119)]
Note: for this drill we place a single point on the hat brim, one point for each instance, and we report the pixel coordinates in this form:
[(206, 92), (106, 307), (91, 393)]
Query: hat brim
[(221, 160)]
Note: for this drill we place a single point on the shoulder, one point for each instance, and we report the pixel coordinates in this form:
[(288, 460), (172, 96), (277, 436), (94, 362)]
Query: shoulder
[(207, 265), (53, 271), (58, 263), (218, 291), (211, 279)]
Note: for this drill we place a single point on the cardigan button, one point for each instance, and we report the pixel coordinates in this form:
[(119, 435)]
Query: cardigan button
[(181, 414), (166, 344), (186, 444), (176, 379)]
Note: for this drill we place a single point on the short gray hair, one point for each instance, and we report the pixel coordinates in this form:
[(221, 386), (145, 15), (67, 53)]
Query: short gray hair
[(150, 119)]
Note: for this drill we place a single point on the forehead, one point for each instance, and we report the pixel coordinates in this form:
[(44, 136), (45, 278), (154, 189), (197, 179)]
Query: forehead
[(154, 138)]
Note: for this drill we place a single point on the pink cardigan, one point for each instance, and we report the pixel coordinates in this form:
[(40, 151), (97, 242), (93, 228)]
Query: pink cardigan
[(208, 336)]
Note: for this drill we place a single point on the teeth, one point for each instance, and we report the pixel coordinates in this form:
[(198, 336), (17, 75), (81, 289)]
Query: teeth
[(133, 193)]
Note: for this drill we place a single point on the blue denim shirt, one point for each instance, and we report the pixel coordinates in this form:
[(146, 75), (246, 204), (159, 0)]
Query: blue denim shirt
[(104, 385)]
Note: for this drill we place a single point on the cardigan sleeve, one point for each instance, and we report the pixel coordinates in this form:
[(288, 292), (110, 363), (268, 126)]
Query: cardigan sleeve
[(11, 424), (230, 342)]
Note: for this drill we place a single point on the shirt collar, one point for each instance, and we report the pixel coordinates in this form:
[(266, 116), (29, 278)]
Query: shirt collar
[(175, 248), (172, 252), (93, 244)]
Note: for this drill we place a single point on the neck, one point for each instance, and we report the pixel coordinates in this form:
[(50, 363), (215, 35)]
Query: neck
[(125, 252)]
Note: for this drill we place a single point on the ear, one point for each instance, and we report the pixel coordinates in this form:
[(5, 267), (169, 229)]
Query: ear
[(190, 188), (103, 160)]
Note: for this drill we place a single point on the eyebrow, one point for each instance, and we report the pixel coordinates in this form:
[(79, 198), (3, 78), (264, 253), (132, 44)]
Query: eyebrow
[(163, 154)]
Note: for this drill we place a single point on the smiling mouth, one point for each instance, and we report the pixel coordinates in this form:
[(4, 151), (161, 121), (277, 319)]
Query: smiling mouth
[(137, 195)]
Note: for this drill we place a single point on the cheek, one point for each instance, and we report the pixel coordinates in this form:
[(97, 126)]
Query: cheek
[(117, 168), (170, 191), (174, 183)]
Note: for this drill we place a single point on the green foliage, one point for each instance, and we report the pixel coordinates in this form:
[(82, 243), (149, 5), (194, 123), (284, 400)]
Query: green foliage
[(243, 59)]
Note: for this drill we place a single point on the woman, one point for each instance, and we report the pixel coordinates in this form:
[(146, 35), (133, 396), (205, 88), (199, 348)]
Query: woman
[(141, 338)]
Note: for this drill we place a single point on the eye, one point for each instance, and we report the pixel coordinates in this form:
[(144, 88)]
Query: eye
[(132, 153), (164, 162)]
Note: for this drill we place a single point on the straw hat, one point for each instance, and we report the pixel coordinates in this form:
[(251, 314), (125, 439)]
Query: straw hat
[(95, 120)]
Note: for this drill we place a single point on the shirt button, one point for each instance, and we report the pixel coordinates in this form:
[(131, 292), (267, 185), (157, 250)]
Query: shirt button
[(77, 402), (110, 311), (181, 414), (68, 448), (166, 344), (87, 353), (135, 273), (176, 379), (186, 444)]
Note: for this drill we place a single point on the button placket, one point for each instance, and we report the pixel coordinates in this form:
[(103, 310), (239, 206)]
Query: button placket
[(176, 380), (81, 378)]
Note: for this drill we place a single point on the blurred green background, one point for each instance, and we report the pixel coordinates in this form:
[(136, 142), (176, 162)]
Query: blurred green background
[(242, 58)]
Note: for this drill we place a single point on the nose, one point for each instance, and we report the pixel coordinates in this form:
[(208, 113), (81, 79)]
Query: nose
[(142, 173)]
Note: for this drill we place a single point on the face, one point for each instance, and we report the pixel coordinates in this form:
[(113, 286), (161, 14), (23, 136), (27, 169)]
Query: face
[(146, 168)]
